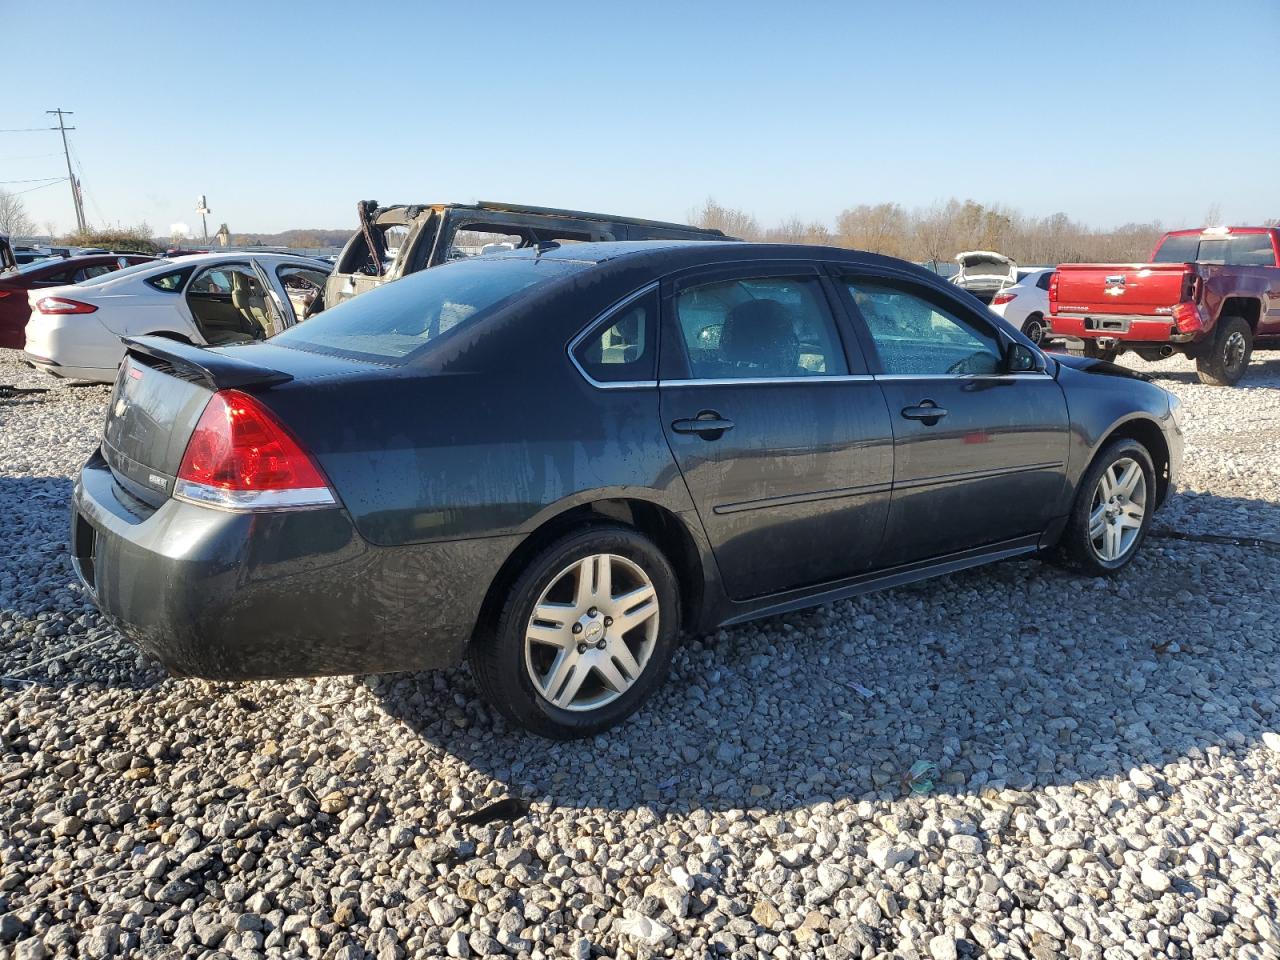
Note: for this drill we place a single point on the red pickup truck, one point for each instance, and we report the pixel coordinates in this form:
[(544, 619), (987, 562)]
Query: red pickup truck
[(1211, 294)]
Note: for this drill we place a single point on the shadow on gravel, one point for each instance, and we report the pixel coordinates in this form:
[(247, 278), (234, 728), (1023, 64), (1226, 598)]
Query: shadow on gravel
[(50, 633), (1013, 675)]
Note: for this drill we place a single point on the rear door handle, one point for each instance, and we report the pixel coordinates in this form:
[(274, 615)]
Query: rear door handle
[(707, 424), (926, 410)]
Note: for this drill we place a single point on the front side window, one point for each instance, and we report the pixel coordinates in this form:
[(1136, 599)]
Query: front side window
[(759, 327), (917, 336), (620, 348)]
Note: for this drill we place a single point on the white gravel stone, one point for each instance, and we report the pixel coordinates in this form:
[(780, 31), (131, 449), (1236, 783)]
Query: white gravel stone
[(1093, 741)]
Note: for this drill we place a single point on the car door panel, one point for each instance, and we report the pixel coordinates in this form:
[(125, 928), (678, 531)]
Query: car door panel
[(790, 474), (988, 471), (991, 465)]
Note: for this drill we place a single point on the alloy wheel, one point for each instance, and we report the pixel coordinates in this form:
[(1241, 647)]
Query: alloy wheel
[(1119, 506), (1233, 350), (592, 632), (1034, 331)]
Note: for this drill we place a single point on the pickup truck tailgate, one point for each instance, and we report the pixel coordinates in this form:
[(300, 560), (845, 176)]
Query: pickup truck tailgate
[(1134, 289)]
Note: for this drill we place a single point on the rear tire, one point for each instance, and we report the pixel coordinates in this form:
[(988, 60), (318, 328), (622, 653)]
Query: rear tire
[(1224, 361), (1112, 511), (584, 636)]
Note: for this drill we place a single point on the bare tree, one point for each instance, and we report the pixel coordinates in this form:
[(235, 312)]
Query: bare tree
[(13, 215), (735, 223)]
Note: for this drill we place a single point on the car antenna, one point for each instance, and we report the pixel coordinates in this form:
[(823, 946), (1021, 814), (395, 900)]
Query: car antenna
[(542, 246)]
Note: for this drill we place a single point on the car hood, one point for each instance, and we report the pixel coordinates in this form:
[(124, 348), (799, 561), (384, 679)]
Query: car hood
[(1102, 368)]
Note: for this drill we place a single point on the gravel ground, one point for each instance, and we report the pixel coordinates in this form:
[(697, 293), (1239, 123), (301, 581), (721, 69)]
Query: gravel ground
[(1104, 780)]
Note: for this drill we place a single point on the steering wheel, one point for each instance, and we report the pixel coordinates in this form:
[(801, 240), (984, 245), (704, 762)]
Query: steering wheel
[(962, 365)]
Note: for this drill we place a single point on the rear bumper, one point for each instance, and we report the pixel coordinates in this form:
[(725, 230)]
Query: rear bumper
[(237, 596), (55, 369), (1125, 328)]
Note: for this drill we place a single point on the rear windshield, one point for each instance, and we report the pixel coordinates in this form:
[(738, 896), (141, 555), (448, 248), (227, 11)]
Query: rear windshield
[(1240, 250), (391, 323)]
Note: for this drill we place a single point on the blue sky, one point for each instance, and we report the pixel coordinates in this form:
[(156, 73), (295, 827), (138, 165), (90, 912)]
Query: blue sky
[(286, 114)]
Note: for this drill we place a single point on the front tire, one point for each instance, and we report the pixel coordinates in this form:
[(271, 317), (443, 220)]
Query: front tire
[(1225, 360), (584, 636), (1112, 511)]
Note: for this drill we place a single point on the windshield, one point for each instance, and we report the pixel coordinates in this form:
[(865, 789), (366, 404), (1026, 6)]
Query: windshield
[(395, 321), (123, 272)]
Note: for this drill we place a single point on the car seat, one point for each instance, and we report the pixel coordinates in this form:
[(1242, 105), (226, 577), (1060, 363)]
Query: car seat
[(759, 335)]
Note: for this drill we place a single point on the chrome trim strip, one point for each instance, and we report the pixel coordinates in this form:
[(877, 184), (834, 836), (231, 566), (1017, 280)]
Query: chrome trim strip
[(752, 381), (604, 315), (975, 475), (963, 376), (786, 501)]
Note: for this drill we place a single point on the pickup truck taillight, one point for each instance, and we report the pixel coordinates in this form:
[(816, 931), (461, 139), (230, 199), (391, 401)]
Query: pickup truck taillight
[(1187, 317), (1191, 287), (1053, 292)]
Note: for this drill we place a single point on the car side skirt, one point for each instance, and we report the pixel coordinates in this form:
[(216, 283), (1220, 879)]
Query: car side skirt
[(736, 612)]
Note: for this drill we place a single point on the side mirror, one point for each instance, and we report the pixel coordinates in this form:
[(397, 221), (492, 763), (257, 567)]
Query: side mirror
[(1019, 358)]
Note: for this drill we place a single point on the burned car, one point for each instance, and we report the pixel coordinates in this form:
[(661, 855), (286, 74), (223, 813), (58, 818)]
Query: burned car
[(397, 240)]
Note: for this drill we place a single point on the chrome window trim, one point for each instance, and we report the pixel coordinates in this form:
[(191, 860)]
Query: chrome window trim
[(596, 321), (744, 381), (962, 376)]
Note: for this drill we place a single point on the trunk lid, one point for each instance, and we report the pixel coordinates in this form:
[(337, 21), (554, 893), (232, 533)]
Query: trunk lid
[(1137, 289), (160, 392)]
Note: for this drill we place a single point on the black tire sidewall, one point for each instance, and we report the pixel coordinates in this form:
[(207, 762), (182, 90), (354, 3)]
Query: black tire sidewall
[(516, 696), (1076, 543), (1229, 326), (1031, 324)]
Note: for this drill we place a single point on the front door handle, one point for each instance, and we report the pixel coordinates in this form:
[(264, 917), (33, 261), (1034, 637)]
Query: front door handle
[(926, 411), (707, 424)]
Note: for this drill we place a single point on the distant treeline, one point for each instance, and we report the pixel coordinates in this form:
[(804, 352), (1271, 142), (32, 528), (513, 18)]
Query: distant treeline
[(941, 231)]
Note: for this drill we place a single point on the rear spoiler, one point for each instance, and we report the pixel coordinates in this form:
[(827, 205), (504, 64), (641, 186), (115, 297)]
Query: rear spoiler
[(217, 370)]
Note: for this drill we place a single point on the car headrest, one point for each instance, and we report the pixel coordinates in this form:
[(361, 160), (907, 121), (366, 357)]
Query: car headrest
[(759, 333)]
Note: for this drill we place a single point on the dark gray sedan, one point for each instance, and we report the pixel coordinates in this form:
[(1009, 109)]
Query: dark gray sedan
[(552, 461)]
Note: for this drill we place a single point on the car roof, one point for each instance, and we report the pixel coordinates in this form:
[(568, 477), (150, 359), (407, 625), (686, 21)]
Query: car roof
[(693, 250)]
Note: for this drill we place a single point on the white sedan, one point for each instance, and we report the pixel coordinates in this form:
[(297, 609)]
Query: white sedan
[(1025, 304), (211, 299)]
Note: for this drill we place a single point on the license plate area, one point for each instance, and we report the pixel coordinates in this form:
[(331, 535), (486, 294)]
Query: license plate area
[(1108, 324)]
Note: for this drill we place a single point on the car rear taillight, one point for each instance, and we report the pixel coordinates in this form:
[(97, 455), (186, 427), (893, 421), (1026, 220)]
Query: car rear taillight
[(240, 457), (4, 293), (1003, 298), (1053, 292), (60, 305)]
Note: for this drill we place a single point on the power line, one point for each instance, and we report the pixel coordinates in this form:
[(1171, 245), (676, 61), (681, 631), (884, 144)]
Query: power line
[(16, 193), (34, 180), (29, 129)]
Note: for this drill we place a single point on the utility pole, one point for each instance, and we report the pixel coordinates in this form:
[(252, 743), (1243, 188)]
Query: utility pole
[(66, 152)]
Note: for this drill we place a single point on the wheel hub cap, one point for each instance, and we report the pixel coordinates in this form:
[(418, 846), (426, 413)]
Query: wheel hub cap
[(592, 632), (1119, 507)]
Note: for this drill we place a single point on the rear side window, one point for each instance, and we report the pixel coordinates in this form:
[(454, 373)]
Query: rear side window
[(759, 327), (170, 282), (1251, 250), (620, 348), (1045, 278), (397, 320)]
